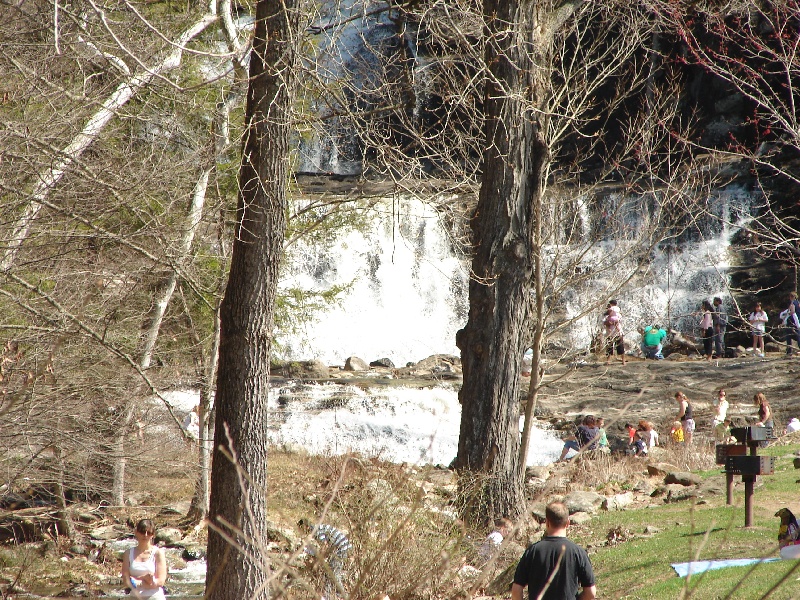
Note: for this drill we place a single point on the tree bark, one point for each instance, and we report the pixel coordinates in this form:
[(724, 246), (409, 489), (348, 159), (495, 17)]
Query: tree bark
[(494, 339), (236, 566)]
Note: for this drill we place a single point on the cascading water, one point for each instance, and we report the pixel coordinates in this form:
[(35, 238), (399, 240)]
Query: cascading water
[(398, 424), (408, 296), (680, 274), (407, 289)]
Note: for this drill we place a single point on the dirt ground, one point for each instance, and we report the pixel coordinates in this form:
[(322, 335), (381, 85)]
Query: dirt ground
[(645, 389)]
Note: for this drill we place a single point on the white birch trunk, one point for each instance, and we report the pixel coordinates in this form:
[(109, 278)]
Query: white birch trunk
[(50, 177)]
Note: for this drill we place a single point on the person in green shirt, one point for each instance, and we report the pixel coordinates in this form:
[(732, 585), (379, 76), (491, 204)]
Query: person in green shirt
[(602, 443), (653, 341)]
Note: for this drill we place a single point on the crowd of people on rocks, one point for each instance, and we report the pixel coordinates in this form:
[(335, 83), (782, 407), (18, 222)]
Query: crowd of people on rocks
[(713, 324), (590, 435)]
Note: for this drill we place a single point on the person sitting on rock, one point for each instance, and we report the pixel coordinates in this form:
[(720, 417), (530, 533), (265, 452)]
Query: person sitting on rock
[(586, 437), (631, 430), (602, 441), (653, 341), (792, 426), (722, 432), (649, 433), (640, 445)]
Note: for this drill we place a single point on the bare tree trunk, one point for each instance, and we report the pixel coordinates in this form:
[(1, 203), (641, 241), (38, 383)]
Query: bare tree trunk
[(64, 518), (202, 494), (538, 332), (493, 341), (236, 559), (155, 319)]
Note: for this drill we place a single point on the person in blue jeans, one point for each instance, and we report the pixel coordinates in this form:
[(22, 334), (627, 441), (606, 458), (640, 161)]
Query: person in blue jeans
[(587, 436), (791, 316), (653, 341), (720, 319)]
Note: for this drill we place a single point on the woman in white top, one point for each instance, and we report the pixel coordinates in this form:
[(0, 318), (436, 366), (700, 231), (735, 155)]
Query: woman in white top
[(707, 329), (144, 567), (722, 408), (758, 320)]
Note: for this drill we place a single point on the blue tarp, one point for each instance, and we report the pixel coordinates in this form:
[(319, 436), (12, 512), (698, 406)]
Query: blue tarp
[(699, 566)]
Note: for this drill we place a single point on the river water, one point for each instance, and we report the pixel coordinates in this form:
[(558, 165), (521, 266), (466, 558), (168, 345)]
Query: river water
[(398, 423)]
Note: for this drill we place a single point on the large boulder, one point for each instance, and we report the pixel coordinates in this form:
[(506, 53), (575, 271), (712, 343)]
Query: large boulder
[(170, 536), (193, 552), (674, 492), (382, 362), (660, 469), (439, 365), (684, 479), (353, 363), (108, 532), (618, 501), (579, 518), (583, 501), (300, 369)]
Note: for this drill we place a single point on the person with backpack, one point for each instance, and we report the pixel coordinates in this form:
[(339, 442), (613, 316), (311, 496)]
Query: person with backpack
[(791, 319)]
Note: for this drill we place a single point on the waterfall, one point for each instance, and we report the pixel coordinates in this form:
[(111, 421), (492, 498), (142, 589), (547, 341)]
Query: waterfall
[(398, 424), (407, 290), (679, 275)]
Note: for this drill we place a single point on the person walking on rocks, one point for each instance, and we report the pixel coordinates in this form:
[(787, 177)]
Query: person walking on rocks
[(144, 567), (791, 318), (758, 321), (707, 329), (555, 567), (612, 326), (685, 416)]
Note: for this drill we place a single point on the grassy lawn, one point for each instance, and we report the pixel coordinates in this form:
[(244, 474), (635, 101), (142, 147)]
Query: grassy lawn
[(703, 530)]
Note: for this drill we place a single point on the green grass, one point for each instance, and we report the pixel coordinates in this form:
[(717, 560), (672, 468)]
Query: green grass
[(703, 530)]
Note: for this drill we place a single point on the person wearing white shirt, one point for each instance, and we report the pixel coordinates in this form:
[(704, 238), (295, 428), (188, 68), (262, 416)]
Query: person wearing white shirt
[(758, 321), (721, 402)]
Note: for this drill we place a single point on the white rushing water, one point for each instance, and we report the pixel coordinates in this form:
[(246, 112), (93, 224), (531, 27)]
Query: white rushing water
[(398, 424), (407, 295), (395, 423)]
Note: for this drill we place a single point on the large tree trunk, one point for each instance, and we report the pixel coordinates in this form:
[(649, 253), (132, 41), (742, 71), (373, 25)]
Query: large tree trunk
[(237, 568), (494, 339)]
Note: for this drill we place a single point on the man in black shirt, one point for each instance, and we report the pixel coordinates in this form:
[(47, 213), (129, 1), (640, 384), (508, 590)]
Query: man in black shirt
[(554, 568)]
